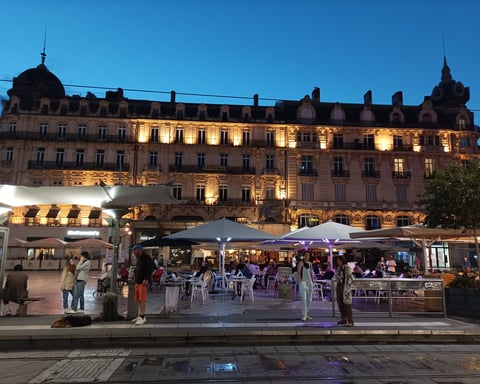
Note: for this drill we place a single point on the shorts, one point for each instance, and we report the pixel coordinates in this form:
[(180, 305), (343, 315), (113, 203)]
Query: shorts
[(140, 292)]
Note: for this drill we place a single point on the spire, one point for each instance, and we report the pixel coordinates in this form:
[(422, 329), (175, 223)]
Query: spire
[(43, 54), (446, 75)]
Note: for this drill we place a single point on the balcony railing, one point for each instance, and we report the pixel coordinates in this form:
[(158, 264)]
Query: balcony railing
[(371, 174), (211, 169), (308, 172), (340, 173), (401, 175), (33, 164), (53, 136)]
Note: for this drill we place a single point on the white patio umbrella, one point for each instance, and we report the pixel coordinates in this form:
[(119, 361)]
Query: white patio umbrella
[(329, 233), (421, 235), (222, 231), (48, 242), (89, 243)]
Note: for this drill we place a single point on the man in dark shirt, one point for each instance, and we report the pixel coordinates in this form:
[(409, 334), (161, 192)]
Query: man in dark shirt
[(15, 289), (143, 275)]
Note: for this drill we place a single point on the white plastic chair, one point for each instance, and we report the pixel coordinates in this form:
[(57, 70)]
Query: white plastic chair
[(247, 287), (201, 285)]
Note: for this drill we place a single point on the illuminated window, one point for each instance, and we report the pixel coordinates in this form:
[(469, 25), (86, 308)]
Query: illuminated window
[(428, 168), (308, 220), (399, 166)]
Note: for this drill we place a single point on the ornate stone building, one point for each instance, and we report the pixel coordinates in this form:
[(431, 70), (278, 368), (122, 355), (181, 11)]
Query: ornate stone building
[(289, 164)]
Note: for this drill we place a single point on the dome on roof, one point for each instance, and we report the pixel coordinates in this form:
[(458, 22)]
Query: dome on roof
[(37, 83)]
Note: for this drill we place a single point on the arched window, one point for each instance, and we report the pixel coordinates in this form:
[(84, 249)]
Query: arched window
[(403, 221), (308, 220), (372, 222), (341, 219)]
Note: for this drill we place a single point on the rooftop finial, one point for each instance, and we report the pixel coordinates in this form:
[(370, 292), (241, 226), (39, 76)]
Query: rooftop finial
[(43, 54)]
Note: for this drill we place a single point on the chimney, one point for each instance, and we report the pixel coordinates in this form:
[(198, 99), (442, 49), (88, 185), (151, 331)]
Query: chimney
[(367, 98), (255, 100), (397, 99), (172, 96), (316, 94)]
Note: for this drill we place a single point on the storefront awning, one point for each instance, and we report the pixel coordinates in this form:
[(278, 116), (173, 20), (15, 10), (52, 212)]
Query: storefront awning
[(95, 214), (73, 213), (53, 213), (32, 212)]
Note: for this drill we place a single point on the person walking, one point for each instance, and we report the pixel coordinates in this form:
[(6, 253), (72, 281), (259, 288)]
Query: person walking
[(143, 275), (83, 267), (305, 279), (343, 291), (67, 282), (15, 289)]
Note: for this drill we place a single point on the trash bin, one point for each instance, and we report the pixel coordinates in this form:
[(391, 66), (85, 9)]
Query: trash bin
[(172, 292), (284, 285)]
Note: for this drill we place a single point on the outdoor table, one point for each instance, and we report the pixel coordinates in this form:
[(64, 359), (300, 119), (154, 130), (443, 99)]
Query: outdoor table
[(237, 282)]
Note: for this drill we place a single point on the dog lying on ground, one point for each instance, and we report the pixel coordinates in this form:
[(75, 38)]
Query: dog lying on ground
[(72, 321)]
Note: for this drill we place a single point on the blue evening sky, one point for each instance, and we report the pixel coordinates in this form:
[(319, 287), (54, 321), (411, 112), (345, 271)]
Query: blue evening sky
[(279, 49)]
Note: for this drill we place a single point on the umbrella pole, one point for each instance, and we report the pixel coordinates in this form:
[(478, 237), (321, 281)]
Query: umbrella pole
[(330, 246), (221, 267)]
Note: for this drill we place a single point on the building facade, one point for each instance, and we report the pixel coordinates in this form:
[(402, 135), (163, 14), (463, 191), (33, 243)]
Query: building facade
[(287, 165)]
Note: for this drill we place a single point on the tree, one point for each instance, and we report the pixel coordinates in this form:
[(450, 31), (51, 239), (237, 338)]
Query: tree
[(452, 197)]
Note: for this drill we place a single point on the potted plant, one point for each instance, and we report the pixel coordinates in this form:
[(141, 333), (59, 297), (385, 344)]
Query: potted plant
[(462, 295)]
